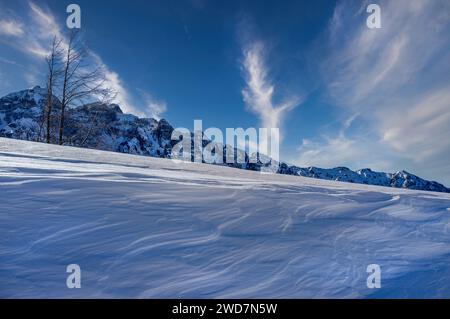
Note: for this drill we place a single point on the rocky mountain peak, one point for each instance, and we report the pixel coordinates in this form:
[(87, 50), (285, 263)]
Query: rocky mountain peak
[(106, 127)]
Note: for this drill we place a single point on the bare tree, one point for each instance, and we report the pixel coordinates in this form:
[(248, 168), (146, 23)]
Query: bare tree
[(52, 79), (80, 80)]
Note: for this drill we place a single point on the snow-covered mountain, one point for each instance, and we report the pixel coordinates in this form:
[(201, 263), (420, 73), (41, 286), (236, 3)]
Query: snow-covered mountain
[(106, 127), (95, 125), (400, 179)]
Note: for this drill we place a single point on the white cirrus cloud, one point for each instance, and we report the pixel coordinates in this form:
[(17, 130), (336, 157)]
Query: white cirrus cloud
[(11, 28), (155, 108), (396, 79), (34, 39), (259, 91)]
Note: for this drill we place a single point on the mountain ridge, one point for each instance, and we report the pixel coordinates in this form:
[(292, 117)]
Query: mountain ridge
[(106, 127)]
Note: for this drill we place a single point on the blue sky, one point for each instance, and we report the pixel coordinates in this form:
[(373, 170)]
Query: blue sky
[(341, 94)]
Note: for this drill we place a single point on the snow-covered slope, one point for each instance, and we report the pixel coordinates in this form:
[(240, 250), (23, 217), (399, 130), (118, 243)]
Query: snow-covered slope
[(105, 127), (150, 227)]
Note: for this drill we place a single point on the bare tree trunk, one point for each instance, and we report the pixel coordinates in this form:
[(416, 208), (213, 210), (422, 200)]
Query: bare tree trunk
[(89, 132), (67, 65), (41, 125), (49, 112), (52, 61)]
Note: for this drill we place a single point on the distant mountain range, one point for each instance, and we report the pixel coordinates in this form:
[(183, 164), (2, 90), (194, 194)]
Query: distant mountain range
[(106, 127)]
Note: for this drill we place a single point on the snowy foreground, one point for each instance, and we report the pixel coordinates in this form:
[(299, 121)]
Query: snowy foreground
[(145, 227)]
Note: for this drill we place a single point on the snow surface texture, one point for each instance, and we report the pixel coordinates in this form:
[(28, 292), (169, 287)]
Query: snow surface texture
[(148, 227), (105, 127)]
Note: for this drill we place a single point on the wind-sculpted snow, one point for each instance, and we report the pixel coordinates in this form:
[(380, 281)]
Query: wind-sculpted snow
[(148, 227)]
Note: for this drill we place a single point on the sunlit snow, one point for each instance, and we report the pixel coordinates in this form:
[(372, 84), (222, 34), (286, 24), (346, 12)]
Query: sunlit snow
[(146, 227)]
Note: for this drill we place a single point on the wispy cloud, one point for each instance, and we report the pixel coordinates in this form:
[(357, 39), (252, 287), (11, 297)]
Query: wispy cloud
[(34, 38), (156, 108), (396, 79), (259, 91), (424, 130), (114, 82), (42, 28), (11, 28), (345, 149), (33, 31), (8, 61)]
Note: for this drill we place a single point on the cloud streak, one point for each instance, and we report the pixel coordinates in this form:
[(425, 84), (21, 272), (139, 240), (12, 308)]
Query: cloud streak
[(34, 38), (259, 91), (156, 108), (11, 28), (396, 79)]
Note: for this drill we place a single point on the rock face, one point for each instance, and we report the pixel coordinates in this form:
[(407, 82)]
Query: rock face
[(106, 127), (95, 125), (21, 114)]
